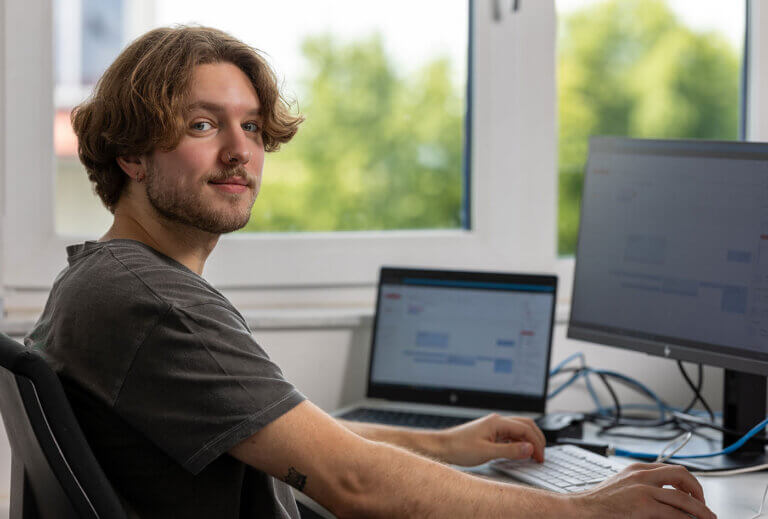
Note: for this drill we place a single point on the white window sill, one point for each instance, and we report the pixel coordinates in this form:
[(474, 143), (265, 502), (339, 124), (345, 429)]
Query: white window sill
[(304, 318)]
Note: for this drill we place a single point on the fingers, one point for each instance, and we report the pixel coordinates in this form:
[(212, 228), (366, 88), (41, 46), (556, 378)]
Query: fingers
[(513, 451), (533, 426), (639, 465), (676, 476), (671, 512), (520, 425), (683, 502), (522, 430), (645, 486)]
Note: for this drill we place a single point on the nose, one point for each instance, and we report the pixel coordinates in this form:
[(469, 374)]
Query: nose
[(235, 157), (235, 152)]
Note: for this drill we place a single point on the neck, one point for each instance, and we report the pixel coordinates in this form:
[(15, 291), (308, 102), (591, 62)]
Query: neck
[(185, 244)]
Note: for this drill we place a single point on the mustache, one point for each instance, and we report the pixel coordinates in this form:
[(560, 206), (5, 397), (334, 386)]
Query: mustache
[(236, 172)]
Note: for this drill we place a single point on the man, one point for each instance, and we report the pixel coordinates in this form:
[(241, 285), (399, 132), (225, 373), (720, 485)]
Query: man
[(185, 412)]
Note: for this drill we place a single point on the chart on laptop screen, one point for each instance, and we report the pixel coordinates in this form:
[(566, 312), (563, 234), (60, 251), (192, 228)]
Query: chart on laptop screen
[(474, 339)]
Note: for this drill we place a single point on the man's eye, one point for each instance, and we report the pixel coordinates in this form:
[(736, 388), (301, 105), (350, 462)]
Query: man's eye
[(202, 126), (251, 127)]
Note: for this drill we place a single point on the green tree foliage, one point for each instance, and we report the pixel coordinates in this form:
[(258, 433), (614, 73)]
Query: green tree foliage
[(378, 150), (631, 68)]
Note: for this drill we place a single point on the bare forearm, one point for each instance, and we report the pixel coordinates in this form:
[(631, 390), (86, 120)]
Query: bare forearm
[(392, 482), (425, 442), (473, 443)]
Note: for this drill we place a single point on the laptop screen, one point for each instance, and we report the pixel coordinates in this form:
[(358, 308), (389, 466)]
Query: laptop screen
[(463, 338)]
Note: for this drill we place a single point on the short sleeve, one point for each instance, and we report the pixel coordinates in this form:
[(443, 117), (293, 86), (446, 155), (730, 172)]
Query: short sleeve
[(200, 384)]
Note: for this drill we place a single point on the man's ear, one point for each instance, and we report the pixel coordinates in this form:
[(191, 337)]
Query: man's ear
[(133, 166)]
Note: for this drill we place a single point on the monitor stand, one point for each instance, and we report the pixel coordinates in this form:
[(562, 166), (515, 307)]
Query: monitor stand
[(743, 407)]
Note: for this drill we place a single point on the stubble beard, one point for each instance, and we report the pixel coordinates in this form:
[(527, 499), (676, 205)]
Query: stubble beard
[(191, 209)]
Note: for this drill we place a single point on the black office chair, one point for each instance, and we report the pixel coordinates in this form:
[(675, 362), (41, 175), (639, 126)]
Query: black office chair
[(54, 473)]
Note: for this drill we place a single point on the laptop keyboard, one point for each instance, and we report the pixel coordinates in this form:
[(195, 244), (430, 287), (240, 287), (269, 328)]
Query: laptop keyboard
[(566, 469), (403, 418)]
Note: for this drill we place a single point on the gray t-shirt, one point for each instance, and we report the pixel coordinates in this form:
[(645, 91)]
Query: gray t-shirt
[(164, 377)]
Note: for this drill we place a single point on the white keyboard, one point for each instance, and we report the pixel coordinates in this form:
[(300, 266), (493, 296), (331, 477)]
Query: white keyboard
[(566, 468)]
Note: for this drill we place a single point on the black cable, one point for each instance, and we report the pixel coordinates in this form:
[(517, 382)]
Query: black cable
[(679, 427), (642, 390), (679, 422), (576, 372), (616, 417), (639, 436), (617, 406), (627, 421), (696, 390), (692, 420)]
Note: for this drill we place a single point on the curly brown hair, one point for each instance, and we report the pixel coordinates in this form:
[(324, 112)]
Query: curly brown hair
[(138, 104)]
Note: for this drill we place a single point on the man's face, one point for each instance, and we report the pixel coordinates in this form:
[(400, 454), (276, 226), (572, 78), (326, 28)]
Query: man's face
[(211, 179)]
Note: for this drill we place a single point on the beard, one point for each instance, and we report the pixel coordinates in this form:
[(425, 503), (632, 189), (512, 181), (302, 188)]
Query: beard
[(190, 208)]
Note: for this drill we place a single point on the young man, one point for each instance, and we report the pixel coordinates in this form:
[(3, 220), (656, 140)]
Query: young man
[(186, 413)]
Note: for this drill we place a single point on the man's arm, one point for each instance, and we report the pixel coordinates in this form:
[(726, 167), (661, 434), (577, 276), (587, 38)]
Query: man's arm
[(356, 477), (470, 444)]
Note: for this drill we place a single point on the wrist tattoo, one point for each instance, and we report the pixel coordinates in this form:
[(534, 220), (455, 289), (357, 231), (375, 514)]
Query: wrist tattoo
[(295, 478)]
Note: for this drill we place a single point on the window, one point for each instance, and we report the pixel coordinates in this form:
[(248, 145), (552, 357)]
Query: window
[(87, 36), (510, 196), (642, 68), (383, 144), (512, 101)]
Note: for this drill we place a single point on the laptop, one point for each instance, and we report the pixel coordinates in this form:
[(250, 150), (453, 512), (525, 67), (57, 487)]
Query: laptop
[(451, 346)]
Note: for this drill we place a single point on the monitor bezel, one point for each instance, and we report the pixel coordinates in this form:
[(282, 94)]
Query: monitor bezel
[(456, 397), (728, 357)]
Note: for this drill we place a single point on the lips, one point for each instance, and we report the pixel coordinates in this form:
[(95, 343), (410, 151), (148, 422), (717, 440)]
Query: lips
[(233, 185), (237, 181)]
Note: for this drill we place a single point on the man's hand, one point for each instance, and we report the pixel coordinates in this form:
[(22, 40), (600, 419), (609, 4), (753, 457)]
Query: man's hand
[(491, 437), (639, 492)]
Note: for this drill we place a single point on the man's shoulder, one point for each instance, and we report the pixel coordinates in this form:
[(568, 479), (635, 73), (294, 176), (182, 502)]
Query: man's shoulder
[(134, 271), (113, 300)]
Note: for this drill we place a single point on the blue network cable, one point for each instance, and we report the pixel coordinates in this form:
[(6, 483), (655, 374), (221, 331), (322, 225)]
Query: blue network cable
[(731, 448), (574, 377), (562, 364), (660, 405)]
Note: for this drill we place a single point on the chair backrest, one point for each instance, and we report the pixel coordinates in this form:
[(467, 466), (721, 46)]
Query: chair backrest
[(54, 473)]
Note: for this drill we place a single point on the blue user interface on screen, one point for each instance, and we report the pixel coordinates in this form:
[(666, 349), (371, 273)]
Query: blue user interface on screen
[(464, 335)]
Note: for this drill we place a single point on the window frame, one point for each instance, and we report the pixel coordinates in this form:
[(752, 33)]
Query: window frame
[(757, 72), (513, 130)]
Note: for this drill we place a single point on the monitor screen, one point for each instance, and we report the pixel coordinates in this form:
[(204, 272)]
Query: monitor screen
[(672, 256), (463, 333)]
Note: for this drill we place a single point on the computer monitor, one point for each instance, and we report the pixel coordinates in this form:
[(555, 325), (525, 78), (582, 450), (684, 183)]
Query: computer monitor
[(672, 260)]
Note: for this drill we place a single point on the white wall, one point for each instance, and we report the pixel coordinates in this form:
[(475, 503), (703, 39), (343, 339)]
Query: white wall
[(2, 153), (328, 366)]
